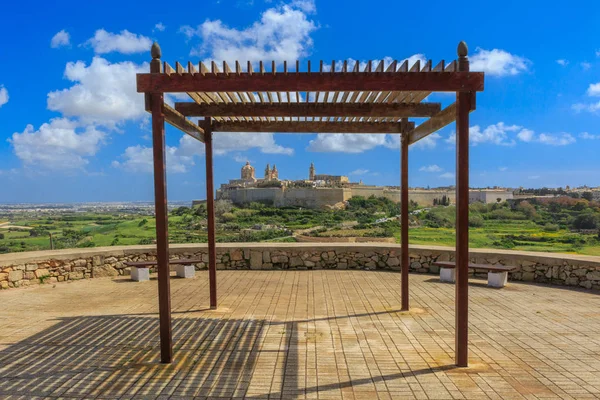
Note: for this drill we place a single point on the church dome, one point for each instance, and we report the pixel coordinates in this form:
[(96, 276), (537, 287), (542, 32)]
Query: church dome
[(248, 171)]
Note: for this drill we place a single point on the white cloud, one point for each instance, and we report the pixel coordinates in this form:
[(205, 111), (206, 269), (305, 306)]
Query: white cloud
[(498, 62), (226, 142), (562, 62), (180, 158), (160, 27), (597, 53), (103, 93), (502, 169), (308, 6), (594, 90), (347, 142), (495, 134), (560, 139), (140, 159), (282, 33), (428, 142), (59, 144), (499, 134), (447, 175), (526, 135), (3, 96), (586, 65), (359, 172), (61, 38), (124, 42), (588, 136), (431, 168), (533, 177), (589, 107)]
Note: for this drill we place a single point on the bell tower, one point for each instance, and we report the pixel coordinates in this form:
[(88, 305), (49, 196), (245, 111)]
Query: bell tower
[(311, 172)]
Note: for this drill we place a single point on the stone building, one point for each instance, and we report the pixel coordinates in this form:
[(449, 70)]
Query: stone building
[(323, 190)]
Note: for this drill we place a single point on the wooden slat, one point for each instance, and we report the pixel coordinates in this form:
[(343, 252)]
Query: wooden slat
[(416, 66), (308, 127), (451, 67), (168, 70), (179, 121), (439, 67), (394, 81), (427, 66), (203, 69), (179, 68)]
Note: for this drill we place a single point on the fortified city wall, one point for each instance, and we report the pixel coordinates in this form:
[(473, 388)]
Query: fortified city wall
[(30, 268)]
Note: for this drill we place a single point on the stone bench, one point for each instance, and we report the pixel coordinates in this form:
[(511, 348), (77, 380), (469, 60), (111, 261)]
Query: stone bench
[(140, 270), (497, 274)]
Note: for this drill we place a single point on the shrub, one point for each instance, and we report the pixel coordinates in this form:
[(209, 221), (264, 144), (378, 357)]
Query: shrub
[(145, 241), (551, 227), (227, 217), (475, 221)]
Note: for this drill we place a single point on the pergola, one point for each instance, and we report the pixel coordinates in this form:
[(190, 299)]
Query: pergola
[(335, 98)]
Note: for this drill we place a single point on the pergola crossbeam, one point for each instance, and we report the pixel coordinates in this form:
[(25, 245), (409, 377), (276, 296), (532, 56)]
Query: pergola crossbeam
[(311, 82), (309, 127), (180, 122), (392, 110)]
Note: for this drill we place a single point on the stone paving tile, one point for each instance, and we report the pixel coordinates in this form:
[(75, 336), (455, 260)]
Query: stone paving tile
[(298, 335)]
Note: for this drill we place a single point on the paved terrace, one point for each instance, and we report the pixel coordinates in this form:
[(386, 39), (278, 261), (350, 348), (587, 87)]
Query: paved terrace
[(298, 334)]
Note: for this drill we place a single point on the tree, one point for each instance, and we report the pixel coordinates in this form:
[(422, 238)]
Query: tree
[(1, 236), (585, 221), (588, 196)]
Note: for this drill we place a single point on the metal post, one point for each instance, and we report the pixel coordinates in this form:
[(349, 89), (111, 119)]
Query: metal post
[(160, 203), (404, 220), (463, 100), (210, 209)]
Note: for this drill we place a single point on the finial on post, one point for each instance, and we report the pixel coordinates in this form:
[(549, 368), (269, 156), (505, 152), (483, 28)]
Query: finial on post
[(463, 59), (462, 50), (155, 51)]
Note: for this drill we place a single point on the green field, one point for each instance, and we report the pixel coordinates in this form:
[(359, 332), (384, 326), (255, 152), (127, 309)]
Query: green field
[(564, 225)]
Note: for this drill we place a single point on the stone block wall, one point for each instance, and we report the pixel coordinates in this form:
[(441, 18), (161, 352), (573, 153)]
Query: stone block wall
[(24, 269)]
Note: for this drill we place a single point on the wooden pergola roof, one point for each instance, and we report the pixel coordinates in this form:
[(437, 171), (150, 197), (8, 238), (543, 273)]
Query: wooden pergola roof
[(334, 99), (378, 98)]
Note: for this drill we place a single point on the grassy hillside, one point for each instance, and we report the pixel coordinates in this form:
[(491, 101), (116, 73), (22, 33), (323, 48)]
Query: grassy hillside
[(556, 225)]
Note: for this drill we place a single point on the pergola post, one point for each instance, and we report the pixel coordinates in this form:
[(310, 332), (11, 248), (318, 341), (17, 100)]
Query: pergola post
[(404, 219), (463, 100), (210, 210), (162, 222)]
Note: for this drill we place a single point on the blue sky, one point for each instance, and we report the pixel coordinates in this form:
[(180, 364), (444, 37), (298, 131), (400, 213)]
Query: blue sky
[(73, 128)]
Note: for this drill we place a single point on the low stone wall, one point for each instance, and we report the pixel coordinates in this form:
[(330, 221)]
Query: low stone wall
[(350, 239), (24, 269)]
